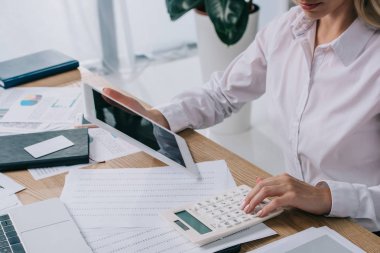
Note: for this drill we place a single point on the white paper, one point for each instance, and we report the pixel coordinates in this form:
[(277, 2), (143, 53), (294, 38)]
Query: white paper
[(312, 240), (8, 202), (135, 197), (9, 128), (49, 146), (41, 104), (8, 185), (104, 146), (166, 240), (10, 96), (41, 173)]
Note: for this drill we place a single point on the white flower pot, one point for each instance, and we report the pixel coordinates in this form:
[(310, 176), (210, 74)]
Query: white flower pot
[(215, 56)]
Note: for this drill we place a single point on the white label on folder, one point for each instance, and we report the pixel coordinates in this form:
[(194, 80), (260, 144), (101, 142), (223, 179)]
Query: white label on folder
[(49, 146)]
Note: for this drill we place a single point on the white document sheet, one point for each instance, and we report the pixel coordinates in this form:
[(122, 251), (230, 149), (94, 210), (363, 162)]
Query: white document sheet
[(9, 128), (8, 185), (104, 146), (8, 202), (165, 240), (41, 173), (135, 197), (41, 104), (10, 96), (312, 240)]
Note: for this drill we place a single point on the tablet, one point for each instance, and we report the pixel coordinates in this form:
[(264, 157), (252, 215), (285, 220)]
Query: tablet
[(138, 130)]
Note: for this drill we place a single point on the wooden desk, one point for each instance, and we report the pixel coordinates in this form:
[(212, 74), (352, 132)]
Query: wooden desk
[(202, 149)]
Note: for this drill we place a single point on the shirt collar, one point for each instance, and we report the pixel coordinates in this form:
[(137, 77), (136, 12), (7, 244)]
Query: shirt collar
[(347, 46), (351, 43), (301, 23)]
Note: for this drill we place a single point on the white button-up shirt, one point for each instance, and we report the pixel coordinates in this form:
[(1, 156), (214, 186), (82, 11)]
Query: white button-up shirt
[(325, 106)]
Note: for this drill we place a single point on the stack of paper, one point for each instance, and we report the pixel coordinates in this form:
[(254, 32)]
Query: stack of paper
[(136, 197), (118, 209), (43, 105), (312, 240), (28, 110)]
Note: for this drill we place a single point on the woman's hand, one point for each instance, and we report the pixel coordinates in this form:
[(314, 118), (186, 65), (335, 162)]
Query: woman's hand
[(134, 104), (288, 191)]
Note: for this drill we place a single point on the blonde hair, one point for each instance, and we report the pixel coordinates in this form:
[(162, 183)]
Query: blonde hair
[(369, 11)]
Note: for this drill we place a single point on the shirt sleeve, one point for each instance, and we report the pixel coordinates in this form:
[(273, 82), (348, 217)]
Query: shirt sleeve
[(358, 201), (225, 93)]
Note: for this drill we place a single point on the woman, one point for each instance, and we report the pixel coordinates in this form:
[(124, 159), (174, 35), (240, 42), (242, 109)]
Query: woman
[(320, 66)]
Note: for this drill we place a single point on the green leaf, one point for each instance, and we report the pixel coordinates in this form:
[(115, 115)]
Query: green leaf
[(230, 18), (177, 8)]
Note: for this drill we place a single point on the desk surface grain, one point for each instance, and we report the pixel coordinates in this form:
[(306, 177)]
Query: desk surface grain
[(202, 149)]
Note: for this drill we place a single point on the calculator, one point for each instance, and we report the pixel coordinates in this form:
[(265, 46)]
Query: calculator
[(217, 217)]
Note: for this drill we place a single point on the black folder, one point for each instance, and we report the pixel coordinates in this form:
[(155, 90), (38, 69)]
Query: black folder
[(13, 155)]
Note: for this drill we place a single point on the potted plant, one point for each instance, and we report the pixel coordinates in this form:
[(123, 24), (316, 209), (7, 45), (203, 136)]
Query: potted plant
[(225, 28), (229, 17)]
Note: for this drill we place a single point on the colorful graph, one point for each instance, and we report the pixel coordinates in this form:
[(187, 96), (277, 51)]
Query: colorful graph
[(30, 100)]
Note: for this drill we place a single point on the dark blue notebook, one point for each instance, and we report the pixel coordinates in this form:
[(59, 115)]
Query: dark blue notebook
[(13, 155), (34, 66)]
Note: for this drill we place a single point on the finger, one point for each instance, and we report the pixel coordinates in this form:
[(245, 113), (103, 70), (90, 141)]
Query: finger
[(266, 191), (86, 126), (120, 97), (116, 95), (273, 205), (265, 182), (115, 98), (125, 100)]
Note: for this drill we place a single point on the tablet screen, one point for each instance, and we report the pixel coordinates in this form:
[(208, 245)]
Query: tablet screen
[(137, 127)]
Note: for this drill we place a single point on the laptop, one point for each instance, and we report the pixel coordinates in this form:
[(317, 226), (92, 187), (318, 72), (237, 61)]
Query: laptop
[(42, 227)]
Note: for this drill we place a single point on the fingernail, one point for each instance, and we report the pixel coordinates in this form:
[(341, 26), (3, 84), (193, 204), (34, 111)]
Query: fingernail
[(246, 209), (242, 205), (259, 213)]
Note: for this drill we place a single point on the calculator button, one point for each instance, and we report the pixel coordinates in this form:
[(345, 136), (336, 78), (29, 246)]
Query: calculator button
[(219, 218), (222, 218), (226, 224), (214, 225)]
